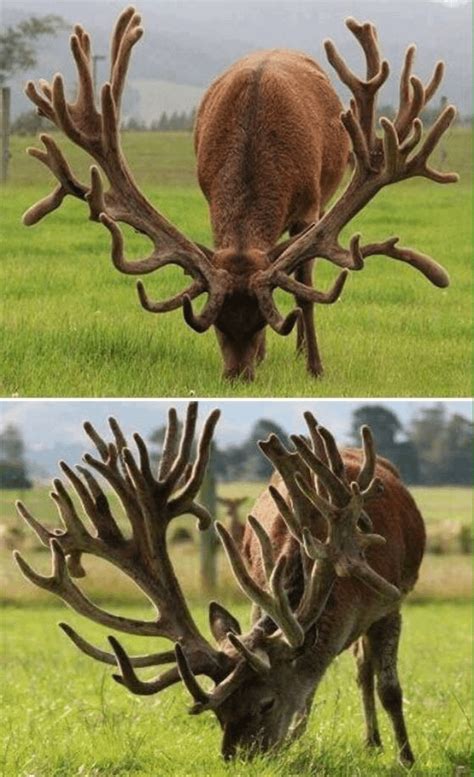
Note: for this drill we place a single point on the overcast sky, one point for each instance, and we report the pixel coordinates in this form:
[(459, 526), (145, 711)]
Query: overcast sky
[(46, 423)]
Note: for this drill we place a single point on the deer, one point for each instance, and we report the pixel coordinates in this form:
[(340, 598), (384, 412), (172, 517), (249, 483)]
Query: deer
[(232, 507), (330, 551), (272, 145)]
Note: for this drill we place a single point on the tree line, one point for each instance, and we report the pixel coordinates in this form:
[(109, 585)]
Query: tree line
[(433, 448)]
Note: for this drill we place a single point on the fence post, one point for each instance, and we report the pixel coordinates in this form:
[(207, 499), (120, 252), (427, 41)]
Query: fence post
[(5, 122), (208, 544)]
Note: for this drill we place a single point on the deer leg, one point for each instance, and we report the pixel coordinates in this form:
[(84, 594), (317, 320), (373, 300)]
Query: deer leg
[(384, 638), (306, 333), (306, 329), (365, 681), (261, 349)]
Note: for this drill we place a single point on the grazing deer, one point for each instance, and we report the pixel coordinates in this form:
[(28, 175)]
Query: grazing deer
[(232, 506), (319, 578), (272, 146)]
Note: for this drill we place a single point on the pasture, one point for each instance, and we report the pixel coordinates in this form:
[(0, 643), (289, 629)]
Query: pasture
[(73, 325), (63, 715)]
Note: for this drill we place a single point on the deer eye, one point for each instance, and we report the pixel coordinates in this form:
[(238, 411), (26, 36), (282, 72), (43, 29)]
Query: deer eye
[(266, 705)]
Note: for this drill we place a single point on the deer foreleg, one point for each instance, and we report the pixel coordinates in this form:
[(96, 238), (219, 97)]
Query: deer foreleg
[(306, 334), (384, 637), (365, 681)]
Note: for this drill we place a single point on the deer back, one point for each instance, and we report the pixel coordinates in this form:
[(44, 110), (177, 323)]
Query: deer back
[(270, 146)]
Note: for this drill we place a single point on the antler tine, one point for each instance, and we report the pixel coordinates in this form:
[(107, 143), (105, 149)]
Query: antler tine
[(269, 310), (170, 445), (127, 32), (413, 96), (333, 484), (307, 294), (61, 584), (286, 463), (55, 161), (173, 303), (98, 133), (186, 496), (187, 676), (378, 163), (319, 449), (184, 452), (132, 682), (333, 455), (367, 470), (365, 92), (275, 604), (266, 550), (153, 659)]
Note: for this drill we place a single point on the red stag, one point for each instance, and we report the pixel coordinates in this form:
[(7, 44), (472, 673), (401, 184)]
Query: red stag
[(272, 146), (232, 507), (332, 547)]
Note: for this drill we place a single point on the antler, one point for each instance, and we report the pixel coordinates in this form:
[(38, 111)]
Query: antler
[(321, 499), (98, 133), (400, 153), (150, 503)]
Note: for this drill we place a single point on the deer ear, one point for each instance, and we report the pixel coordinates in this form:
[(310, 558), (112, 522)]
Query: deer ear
[(221, 622)]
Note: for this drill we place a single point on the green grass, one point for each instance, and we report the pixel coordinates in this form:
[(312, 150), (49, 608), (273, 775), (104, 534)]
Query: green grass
[(64, 716), (73, 325)]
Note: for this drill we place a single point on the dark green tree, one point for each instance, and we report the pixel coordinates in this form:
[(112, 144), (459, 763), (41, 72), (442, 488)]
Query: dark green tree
[(444, 445), (384, 423), (13, 467), (18, 44), (388, 434)]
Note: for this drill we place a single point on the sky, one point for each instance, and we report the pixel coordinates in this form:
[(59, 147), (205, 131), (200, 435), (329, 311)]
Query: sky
[(45, 423)]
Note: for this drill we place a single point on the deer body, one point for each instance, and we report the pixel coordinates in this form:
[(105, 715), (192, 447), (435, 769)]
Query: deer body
[(271, 149), (354, 615)]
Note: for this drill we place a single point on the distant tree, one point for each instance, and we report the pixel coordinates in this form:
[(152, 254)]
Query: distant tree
[(164, 124), (384, 423), (13, 468), (387, 431), (134, 125), (29, 123), (18, 44), (444, 446), (246, 461)]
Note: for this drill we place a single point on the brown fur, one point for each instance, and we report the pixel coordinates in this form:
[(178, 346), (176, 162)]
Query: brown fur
[(271, 151), (353, 614)]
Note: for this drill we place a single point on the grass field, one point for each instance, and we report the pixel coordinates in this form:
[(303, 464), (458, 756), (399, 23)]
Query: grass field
[(73, 325), (62, 715)]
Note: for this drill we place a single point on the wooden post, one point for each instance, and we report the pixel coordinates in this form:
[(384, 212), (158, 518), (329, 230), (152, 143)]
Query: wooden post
[(208, 538), (5, 123)]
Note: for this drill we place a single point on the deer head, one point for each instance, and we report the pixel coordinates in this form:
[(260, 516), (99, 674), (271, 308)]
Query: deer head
[(239, 289), (263, 679)]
